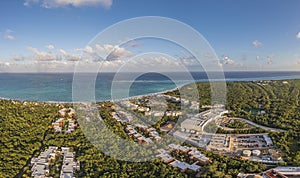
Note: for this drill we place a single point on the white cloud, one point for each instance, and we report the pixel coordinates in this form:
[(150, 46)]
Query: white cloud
[(30, 2), (70, 57), (226, 61), (8, 35), (89, 54), (144, 63), (18, 58), (113, 52), (257, 43), (50, 47), (89, 50), (63, 52), (298, 35), (7, 64), (44, 56), (66, 3)]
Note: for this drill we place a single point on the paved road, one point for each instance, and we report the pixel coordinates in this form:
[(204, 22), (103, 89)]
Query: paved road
[(255, 125)]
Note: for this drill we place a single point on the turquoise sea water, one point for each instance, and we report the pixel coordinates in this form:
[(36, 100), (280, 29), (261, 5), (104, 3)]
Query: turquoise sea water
[(58, 87)]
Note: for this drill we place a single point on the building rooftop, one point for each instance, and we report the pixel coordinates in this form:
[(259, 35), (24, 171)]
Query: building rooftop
[(288, 171), (180, 165)]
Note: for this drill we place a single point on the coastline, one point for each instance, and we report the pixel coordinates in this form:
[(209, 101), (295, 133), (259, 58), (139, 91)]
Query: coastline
[(161, 92), (72, 102)]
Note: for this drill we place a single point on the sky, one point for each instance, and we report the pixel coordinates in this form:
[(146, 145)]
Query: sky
[(54, 35)]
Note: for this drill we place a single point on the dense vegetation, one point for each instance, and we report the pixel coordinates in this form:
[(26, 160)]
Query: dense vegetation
[(236, 124), (23, 127), (270, 103), (25, 132), (223, 166)]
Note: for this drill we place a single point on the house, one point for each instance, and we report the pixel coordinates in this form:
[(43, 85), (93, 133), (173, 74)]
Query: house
[(143, 139), (167, 158), (63, 112), (143, 109), (183, 166), (195, 167), (173, 113), (195, 154), (183, 149), (72, 112), (69, 163), (243, 175), (158, 113), (40, 165), (168, 127), (180, 165), (137, 135)]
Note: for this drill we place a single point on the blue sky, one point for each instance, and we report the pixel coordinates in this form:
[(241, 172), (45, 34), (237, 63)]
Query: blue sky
[(246, 35)]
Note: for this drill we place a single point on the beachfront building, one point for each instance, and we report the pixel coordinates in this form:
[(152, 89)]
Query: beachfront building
[(122, 116), (169, 98), (128, 105)]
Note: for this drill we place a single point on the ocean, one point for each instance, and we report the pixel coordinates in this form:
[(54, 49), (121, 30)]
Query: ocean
[(57, 87)]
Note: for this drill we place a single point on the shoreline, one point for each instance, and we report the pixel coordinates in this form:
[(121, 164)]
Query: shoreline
[(156, 93), (72, 102)]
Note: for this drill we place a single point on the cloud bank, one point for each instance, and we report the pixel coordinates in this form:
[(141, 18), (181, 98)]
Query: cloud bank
[(66, 3)]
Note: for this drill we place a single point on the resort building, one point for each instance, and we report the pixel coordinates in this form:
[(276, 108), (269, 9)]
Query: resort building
[(220, 142), (41, 165), (288, 171), (69, 164), (199, 121), (63, 124), (243, 175), (278, 172), (122, 116), (194, 154), (273, 174)]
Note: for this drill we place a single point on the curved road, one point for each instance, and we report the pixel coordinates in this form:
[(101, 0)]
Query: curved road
[(255, 125)]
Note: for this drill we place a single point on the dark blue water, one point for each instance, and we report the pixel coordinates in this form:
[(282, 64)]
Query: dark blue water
[(58, 87)]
